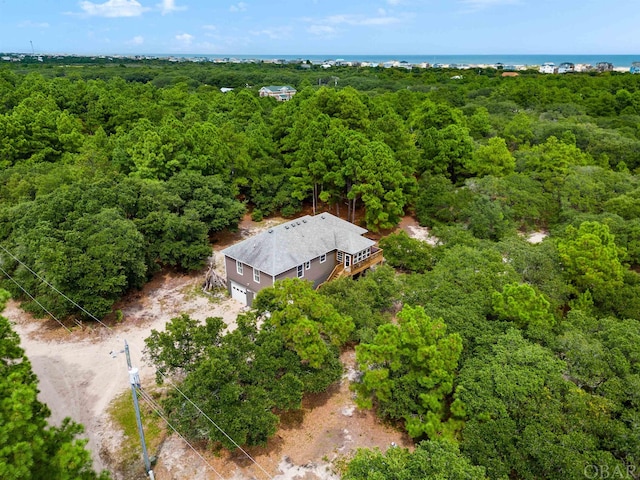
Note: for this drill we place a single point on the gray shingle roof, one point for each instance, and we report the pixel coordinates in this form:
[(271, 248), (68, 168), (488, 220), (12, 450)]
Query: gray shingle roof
[(292, 243), (279, 88)]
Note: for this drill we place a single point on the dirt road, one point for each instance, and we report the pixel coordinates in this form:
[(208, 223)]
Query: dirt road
[(81, 372)]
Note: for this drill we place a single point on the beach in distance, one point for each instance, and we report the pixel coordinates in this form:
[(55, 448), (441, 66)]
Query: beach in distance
[(618, 61)]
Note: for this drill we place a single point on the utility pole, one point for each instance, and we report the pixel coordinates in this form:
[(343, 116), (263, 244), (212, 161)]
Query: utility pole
[(134, 380)]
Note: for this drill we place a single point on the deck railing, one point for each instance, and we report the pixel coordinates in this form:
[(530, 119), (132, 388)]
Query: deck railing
[(340, 270)]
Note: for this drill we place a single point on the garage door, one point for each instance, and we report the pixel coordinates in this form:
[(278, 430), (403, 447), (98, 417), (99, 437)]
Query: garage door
[(239, 293)]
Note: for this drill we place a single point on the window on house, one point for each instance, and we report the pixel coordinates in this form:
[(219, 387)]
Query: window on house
[(339, 257), (323, 258), (239, 267), (307, 265), (256, 275), (300, 271)]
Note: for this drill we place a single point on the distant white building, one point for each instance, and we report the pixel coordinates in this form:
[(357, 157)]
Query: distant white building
[(548, 67), (566, 67), (280, 93)]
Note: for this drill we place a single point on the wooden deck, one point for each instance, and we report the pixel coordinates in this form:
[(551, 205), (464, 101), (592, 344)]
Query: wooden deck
[(340, 271)]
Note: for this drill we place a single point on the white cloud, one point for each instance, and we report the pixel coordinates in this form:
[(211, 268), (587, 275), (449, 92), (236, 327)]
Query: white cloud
[(168, 6), (273, 33), (322, 30), (377, 21), (137, 40), (329, 26), (113, 8), (185, 39), (361, 20), (239, 7), (30, 24), (209, 27), (475, 5)]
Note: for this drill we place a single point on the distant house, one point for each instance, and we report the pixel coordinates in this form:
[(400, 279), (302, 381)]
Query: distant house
[(317, 248), (548, 67), (635, 67), (604, 67), (280, 93), (566, 67)]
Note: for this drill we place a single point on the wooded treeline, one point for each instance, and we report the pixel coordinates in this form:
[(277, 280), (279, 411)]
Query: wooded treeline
[(109, 173), (522, 358)]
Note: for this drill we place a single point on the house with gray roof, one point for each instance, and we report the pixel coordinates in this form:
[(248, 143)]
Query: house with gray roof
[(316, 248), (280, 93)]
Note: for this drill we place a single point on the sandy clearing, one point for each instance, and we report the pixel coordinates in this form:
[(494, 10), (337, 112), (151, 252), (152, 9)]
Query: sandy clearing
[(411, 226), (327, 428), (536, 237), (82, 372)]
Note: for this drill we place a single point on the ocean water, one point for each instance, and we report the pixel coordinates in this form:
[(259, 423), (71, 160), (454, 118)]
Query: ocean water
[(539, 59)]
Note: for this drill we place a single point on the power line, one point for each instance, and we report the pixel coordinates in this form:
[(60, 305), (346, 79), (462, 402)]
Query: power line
[(156, 408), (33, 298), (215, 425), (141, 353), (44, 280)]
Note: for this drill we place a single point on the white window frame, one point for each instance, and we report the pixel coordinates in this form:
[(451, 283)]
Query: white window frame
[(239, 267), (323, 258), (300, 271), (256, 275), (307, 265), (339, 256)]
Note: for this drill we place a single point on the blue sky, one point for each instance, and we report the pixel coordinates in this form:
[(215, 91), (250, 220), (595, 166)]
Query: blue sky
[(316, 27)]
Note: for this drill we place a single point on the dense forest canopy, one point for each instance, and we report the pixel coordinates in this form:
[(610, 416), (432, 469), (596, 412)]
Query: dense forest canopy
[(504, 358)]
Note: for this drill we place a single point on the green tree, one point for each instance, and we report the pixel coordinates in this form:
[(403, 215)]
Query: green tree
[(524, 420), (440, 460), (406, 253), (591, 257), (518, 132), (408, 372), (528, 309), (242, 378), (308, 323), (493, 158)]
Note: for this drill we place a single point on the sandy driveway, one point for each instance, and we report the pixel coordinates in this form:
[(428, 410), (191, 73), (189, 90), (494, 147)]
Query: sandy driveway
[(81, 372)]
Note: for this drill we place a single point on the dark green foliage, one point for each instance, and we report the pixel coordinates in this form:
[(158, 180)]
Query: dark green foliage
[(431, 459), (406, 253), (367, 301), (309, 324), (487, 219), (438, 201), (525, 420), (408, 373), (243, 378), (95, 240), (538, 266)]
